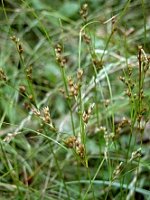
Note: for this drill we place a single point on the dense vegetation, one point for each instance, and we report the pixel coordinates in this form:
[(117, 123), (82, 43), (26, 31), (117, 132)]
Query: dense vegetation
[(74, 100)]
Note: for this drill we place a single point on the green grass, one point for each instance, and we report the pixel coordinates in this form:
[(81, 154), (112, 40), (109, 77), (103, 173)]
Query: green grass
[(74, 93)]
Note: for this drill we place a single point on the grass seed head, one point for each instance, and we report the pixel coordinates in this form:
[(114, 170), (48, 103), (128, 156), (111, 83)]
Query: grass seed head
[(84, 11)]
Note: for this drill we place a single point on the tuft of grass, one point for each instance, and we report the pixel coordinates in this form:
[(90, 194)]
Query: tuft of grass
[(74, 93)]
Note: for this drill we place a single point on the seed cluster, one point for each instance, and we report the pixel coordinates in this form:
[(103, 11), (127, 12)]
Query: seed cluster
[(129, 82), (44, 115), (98, 63), (18, 44), (136, 154), (86, 38), (87, 113), (73, 87), (117, 170), (135, 87), (2, 75), (29, 72), (123, 123), (59, 57), (84, 11), (73, 143)]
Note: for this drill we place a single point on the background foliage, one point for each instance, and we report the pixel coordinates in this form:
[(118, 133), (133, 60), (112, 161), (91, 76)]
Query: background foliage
[(68, 137)]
